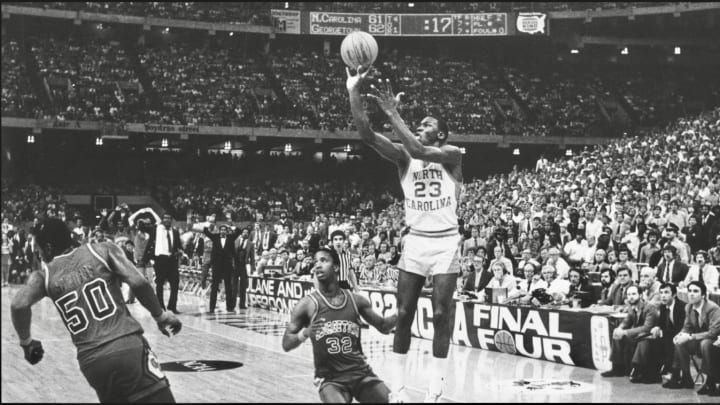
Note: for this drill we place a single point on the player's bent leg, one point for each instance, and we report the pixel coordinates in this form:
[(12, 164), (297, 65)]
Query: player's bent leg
[(334, 393), (443, 312), (372, 390), (409, 288)]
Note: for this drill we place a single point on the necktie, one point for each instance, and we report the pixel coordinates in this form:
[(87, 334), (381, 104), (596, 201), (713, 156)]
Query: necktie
[(700, 275), (476, 245), (169, 239), (670, 316), (668, 270), (699, 319)]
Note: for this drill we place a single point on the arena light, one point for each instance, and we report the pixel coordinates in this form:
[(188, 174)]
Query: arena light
[(463, 150), (164, 143), (411, 5), (31, 139), (568, 152), (99, 26), (574, 51), (287, 5), (288, 147), (677, 50), (516, 152), (228, 145), (166, 30), (348, 148), (98, 141), (231, 33), (625, 51)]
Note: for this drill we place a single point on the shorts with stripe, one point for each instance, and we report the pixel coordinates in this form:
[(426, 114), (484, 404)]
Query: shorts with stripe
[(431, 253), (351, 382)]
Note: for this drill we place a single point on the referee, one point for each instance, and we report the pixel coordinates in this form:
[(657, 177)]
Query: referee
[(347, 275)]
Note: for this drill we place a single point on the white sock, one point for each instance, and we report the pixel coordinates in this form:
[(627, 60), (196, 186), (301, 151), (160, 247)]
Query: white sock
[(438, 370), (398, 370)]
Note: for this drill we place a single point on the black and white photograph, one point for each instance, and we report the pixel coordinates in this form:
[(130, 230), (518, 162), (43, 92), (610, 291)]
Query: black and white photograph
[(371, 202)]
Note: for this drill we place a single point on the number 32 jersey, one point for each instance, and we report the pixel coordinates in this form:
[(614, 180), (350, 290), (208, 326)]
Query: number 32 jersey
[(336, 346), (89, 298), (431, 197)]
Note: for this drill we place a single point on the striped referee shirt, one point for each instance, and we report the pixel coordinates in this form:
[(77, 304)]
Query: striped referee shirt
[(345, 266)]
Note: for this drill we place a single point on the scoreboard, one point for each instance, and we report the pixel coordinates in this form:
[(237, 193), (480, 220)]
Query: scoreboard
[(476, 24)]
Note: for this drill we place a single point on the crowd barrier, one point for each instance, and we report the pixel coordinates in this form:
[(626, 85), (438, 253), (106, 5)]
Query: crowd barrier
[(577, 337)]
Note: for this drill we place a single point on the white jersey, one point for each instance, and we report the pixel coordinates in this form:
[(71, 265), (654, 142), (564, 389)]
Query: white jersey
[(431, 197)]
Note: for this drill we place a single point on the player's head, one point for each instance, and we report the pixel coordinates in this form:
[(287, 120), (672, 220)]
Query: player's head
[(52, 238), (326, 265), (432, 131)]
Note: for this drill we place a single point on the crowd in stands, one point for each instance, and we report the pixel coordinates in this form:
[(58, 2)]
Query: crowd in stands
[(17, 96), (259, 12)]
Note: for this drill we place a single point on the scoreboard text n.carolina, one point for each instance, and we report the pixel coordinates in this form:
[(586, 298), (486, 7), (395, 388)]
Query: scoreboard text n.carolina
[(383, 24)]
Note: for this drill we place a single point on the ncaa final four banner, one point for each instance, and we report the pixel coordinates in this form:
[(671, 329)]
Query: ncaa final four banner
[(576, 338)]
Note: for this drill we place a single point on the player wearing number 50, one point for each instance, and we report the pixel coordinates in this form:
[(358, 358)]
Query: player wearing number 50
[(330, 317), (430, 173), (84, 284)]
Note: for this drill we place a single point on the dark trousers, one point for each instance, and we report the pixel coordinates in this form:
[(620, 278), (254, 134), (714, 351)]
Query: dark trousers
[(628, 353), (240, 284), (222, 272), (705, 349), (166, 269)]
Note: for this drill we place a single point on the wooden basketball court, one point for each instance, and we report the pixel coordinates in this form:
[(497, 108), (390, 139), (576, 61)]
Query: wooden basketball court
[(268, 374)]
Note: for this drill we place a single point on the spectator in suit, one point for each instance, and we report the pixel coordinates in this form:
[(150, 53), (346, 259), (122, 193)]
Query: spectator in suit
[(650, 285), (474, 241), (670, 322), (222, 258), (268, 237), (648, 250), (499, 240), (714, 253), (707, 221), (244, 257), (682, 250), (701, 328), (164, 248), (479, 277), (670, 269), (629, 349), (702, 271), (616, 294), (693, 235), (580, 287)]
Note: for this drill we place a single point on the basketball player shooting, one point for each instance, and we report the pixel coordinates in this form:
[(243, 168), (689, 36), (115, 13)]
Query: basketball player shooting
[(430, 173), (330, 317)]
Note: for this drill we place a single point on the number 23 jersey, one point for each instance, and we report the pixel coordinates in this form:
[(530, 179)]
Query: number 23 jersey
[(431, 197), (89, 298)]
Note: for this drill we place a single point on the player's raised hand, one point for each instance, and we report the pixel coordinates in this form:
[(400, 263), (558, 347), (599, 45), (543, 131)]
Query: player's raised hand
[(384, 96), (355, 80), (33, 351), (168, 321)]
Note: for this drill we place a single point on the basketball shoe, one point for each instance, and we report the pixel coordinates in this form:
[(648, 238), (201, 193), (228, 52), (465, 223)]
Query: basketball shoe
[(431, 398)]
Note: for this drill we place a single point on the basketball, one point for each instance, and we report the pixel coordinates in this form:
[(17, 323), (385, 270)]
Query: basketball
[(359, 48)]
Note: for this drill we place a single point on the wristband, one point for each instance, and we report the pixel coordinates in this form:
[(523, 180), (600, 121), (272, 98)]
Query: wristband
[(26, 341), (163, 316), (302, 336)]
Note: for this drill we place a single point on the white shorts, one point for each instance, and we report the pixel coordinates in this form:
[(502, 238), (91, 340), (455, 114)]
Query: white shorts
[(427, 254)]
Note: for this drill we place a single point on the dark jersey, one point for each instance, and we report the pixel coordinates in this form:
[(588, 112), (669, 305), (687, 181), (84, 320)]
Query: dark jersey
[(336, 347), (88, 296)]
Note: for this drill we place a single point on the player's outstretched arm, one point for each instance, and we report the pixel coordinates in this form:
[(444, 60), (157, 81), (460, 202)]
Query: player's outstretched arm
[(297, 330), (388, 102), (382, 145), (21, 314), (128, 273), (382, 324)]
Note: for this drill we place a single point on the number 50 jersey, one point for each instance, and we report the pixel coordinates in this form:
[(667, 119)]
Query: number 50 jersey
[(88, 296)]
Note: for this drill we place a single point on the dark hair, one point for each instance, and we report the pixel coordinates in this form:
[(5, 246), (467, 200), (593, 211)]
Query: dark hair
[(55, 232), (704, 254), (611, 271), (333, 254), (701, 286), (671, 286), (335, 233), (443, 128), (624, 268)]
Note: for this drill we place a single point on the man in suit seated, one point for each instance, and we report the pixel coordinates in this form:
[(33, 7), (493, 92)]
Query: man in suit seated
[(616, 296), (580, 288), (650, 286), (607, 281), (671, 269), (478, 278), (670, 322), (629, 348), (699, 332)]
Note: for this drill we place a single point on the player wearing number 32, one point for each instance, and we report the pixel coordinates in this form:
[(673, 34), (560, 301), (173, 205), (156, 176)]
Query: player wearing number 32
[(330, 317), (84, 284), (430, 173)]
